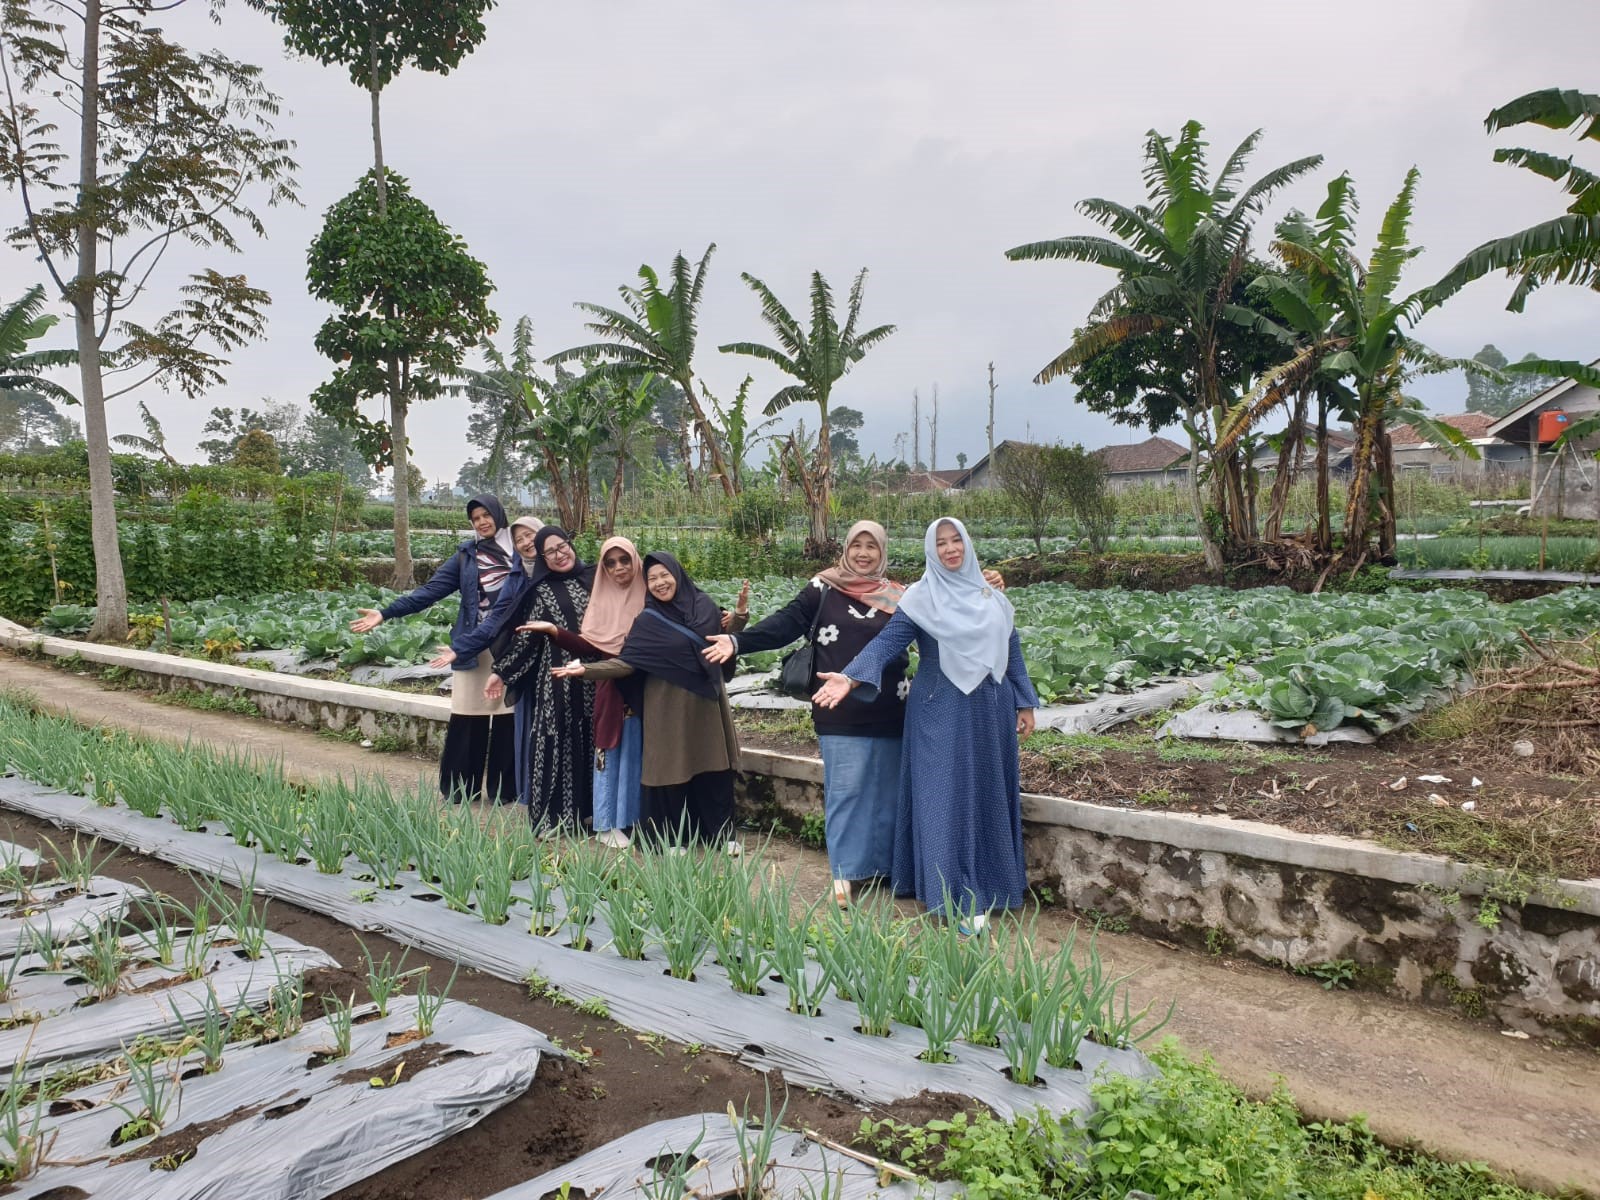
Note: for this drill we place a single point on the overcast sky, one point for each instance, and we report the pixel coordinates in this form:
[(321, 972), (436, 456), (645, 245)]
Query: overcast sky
[(919, 140)]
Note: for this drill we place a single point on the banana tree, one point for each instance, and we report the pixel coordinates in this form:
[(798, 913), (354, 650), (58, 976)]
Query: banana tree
[(657, 333), (816, 360), (1365, 347), (1564, 249), (1179, 259)]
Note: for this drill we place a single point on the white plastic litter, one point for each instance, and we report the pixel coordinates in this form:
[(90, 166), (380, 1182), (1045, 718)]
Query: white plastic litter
[(1208, 721), (289, 1130), (627, 1168), (1434, 778)]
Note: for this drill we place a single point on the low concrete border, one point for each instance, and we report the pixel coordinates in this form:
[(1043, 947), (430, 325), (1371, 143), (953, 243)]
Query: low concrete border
[(1303, 900)]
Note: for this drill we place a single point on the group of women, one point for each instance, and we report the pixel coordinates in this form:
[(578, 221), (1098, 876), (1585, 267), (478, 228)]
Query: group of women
[(597, 697)]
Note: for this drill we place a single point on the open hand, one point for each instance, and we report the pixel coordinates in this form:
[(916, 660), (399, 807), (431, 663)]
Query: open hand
[(494, 690), (571, 670), (369, 620), (445, 657), (1024, 722), (834, 689), (544, 627), (720, 650)]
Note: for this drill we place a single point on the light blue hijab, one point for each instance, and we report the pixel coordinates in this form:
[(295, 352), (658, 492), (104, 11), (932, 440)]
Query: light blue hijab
[(970, 620)]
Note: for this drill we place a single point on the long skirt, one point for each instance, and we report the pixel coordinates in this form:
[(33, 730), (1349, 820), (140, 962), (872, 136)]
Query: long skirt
[(616, 779), (861, 787), (480, 744), (698, 811)]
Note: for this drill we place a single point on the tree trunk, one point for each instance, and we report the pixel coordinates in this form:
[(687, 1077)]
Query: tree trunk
[(1208, 544), (377, 130), (708, 440), (821, 538), (1324, 504), (1278, 498), (403, 581), (1388, 537), (111, 587), (1357, 505), (616, 496)]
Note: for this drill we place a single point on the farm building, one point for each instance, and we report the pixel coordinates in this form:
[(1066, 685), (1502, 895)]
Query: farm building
[(1413, 453), (1155, 460), (1566, 484)]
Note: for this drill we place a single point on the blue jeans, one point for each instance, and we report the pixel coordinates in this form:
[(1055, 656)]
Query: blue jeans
[(861, 787), (616, 789)]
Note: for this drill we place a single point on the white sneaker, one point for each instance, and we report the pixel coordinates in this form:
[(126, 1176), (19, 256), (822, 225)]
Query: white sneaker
[(735, 848), (614, 838), (677, 851)]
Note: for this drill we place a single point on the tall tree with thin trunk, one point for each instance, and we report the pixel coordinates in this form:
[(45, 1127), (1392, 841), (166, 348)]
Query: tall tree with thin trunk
[(374, 40), (816, 360), (412, 303), (169, 143)]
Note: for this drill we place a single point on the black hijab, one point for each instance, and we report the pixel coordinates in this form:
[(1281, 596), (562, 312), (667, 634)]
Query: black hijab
[(499, 544), (542, 569), (656, 647)]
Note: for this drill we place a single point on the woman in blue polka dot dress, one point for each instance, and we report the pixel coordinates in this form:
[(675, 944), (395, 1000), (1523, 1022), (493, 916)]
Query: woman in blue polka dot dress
[(958, 824)]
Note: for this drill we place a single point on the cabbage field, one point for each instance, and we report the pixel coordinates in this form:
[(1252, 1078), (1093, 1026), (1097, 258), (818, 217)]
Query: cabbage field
[(1322, 660)]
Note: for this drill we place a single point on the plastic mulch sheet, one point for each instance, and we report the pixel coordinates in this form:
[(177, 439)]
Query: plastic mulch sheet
[(279, 1121), (1208, 720), (1106, 712), (632, 1167), (62, 910), (13, 855), (71, 1032), (823, 1051)]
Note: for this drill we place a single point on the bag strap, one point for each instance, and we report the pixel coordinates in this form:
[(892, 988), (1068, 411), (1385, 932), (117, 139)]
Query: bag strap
[(817, 616), (683, 629)]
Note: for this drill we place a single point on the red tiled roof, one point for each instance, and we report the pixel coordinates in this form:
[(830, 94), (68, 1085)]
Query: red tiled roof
[(1471, 425), (1152, 454)]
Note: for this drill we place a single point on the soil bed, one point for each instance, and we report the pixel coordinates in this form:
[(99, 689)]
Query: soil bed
[(1521, 815), (616, 1081)]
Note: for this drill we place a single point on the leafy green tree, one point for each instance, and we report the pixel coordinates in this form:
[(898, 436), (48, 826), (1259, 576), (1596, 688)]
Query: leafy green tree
[(1486, 394), (170, 146), (657, 333), (628, 416), (227, 425), (1179, 258), (375, 39), (1081, 478), (1564, 249), (499, 423), (412, 302), (257, 451), (29, 423), (21, 322), (816, 359), (1033, 478), (320, 444), (845, 423), (739, 435)]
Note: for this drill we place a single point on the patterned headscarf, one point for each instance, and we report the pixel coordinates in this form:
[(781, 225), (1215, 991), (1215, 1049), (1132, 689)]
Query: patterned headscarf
[(873, 590)]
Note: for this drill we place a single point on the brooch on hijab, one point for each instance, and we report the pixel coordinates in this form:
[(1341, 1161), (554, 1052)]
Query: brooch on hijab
[(988, 591)]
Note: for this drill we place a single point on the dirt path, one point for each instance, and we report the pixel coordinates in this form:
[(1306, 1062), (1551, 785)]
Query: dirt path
[(1459, 1089)]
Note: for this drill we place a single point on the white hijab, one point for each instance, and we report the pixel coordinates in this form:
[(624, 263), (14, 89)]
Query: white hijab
[(971, 621)]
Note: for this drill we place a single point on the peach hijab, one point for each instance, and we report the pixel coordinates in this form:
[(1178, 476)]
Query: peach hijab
[(611, 608)]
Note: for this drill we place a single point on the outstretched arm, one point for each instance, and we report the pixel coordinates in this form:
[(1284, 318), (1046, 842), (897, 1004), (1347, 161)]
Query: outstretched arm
[(867, 668)]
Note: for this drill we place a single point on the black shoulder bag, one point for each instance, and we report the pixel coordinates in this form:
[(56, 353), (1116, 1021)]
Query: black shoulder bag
[(797, 672)]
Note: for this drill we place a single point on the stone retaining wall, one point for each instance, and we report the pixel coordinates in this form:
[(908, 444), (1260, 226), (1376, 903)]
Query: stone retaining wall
[(1411, 924)]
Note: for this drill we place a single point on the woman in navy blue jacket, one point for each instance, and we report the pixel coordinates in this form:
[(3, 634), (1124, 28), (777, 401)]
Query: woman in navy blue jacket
[(479, 755)]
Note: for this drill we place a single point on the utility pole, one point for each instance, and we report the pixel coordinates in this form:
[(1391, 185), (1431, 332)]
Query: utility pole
[(991, 414), (916, 431), (933, 433)]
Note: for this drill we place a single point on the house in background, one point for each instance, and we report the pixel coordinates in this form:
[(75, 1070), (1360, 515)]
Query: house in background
[(981, 474), (1156, 460), (1566, 484), (1412, 453), (1340, 445)]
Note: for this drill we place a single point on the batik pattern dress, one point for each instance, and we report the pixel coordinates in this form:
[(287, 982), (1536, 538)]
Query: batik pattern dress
[(555, 732), (958, 822)]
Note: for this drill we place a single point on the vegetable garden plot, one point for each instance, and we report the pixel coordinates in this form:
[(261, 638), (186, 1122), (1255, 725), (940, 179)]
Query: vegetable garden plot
[(70, 1032), (827, 1050), (282, 1121), (709, 1155), (60, 910)]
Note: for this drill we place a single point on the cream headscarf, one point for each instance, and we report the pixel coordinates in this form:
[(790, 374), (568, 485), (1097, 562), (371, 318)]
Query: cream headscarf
[(872, 589), (532, 525), (611, 608)]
